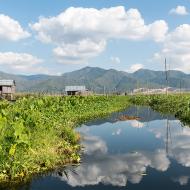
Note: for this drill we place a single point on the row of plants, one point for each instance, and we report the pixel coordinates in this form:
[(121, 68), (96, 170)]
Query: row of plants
[(176, 104), (37, 133)]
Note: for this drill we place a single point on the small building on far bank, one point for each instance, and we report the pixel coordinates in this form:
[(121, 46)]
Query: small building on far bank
[(7, 89), (76, 90)]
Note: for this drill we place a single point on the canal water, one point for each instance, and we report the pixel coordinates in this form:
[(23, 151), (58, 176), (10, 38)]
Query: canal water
[(152, 152)]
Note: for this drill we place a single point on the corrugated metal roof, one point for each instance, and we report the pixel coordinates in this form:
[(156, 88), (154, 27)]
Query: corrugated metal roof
[(75, 88), (7, 82)]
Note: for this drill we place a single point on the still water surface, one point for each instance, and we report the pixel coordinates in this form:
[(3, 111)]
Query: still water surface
[(153, 152)]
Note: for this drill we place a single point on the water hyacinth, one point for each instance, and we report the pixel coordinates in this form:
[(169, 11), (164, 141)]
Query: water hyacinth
[(176, 104), (37, 132)]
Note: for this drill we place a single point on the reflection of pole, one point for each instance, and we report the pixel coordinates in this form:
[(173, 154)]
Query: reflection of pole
[(168, 136), (148, 116), (167, 140), (104, 90), (137, 111)]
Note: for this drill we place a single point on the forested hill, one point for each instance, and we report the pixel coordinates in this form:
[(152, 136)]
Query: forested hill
[(97, 79)]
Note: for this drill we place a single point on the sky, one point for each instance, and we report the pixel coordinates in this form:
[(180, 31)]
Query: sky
[(57, 36)]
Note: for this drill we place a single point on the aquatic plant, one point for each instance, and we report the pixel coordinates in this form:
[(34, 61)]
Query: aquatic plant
[(37, 132), (176, 104)]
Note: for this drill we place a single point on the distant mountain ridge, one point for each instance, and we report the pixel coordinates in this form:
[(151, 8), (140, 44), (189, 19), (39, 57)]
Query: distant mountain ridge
[(98, 79)]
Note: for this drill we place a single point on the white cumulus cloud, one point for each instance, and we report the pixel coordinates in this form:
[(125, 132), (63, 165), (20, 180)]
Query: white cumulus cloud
[(21, 62), (179, 10), (115, 59), (176, 48), (135, 67), (81, 33), (11, 30), (78, 52)]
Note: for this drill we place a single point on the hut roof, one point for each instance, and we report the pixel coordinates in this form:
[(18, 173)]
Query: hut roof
[(75, 88), (7, 83)]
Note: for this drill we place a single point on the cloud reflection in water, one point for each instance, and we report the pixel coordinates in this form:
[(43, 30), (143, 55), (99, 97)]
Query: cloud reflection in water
[(100, 166), (116, 170)]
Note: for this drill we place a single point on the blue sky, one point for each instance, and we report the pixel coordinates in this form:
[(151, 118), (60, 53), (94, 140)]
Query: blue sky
[(50, 37)]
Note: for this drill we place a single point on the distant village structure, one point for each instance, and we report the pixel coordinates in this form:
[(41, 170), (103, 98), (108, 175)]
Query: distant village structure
[(159, 90), (76, 90), (7, 89)]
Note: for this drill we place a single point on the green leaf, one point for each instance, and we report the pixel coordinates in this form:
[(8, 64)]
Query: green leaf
[(12, 149)]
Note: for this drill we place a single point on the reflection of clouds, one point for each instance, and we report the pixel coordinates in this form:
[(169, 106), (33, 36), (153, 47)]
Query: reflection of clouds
[(117, 132), (117, 169), (114, 169), (159, 160), (136, 124), (101, 167), (182, 180), (94, 145), (83, 129), (182, 156), (179, 142)]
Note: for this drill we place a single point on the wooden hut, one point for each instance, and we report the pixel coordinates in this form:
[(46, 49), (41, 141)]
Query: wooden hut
[(7, 89), (76, 90)]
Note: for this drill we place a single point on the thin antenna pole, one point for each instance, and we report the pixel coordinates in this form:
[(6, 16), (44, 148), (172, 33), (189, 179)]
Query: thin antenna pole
[(166, 72), (180, 87)]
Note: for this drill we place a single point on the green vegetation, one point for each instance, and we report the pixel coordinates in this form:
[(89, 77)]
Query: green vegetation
[(178, 105), (37, 132)]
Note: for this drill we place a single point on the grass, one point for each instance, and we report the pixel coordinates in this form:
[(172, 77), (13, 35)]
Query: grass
[(37, 133), (178, 104)]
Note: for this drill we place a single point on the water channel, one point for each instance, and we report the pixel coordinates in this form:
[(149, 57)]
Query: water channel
[(152, 152)]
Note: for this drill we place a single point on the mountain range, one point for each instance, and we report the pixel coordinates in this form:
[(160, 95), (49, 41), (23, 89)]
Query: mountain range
[(98, 80)]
